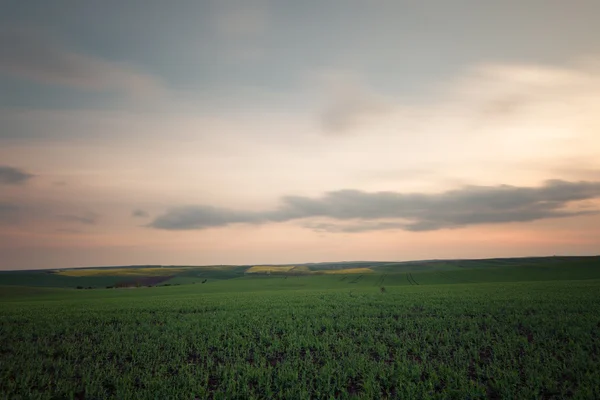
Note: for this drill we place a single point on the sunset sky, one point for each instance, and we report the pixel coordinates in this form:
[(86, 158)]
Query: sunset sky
[(251, 132)]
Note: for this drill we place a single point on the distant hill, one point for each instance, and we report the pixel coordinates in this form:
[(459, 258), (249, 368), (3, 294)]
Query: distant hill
[(452, 271)]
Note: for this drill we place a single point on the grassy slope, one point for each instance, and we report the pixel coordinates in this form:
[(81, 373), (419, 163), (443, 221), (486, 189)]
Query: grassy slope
[(423, 272), (47, 279), (234, 279)]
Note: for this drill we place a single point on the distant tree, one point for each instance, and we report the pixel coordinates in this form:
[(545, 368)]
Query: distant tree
[(382, 289)]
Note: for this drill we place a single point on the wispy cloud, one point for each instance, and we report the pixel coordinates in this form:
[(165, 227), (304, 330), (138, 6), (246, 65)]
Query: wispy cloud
[(139, 213), (13, 176), (362, 226), (86, 218), (8, 213), (240, 19), (70, 231), (32, 55), (240, 27), (488, 98), (470, 205), (349, 102)]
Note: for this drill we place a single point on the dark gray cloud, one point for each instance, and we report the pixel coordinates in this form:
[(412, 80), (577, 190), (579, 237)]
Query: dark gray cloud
[(139, 213), (201, 217), (87, 218), (13, 176), (469, 205)]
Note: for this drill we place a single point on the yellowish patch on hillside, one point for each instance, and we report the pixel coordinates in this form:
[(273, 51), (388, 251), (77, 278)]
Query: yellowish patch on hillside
[(155, 271), (258, 269), (217, 267), (347, 271), (301, 269), (212, 268)]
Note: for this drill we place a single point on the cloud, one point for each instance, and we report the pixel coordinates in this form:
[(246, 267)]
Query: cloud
[(13, 176), (470, 205), (240, 27), (87, 218), (349, 103), (8, 213), (240, 19), (69, 231), (504, 106), (363, 226), (139, 213), (501, 102), (201, 217), (32, 55)]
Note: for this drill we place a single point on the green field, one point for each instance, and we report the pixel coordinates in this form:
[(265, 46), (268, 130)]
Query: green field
[(511, 328)]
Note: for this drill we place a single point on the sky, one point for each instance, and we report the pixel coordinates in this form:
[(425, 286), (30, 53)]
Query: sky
[(257, 131)]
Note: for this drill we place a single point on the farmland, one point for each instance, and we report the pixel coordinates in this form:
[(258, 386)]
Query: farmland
[(346, 271), (140, 271), (512, 328)]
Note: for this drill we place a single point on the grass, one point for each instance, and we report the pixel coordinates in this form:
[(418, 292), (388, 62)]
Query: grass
[(442, 271), (494, 330), (303, 269), (157, 271), (347, 271), (269, 269), (300, 269)]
